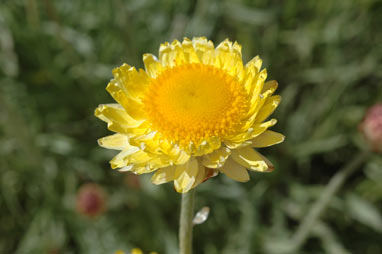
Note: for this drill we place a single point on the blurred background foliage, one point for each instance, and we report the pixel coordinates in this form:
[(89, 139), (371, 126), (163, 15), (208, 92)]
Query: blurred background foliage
[(56, 58)]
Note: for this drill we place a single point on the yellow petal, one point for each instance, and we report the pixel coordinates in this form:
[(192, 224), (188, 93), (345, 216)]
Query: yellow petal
[(116, 117), (270, 87), (217, 158), (208, 145), (147, 162), (189, 51), (267, 138), (235, 171), (164, 51), (200, 176), (269, 163), (238, 144), (177, 155), (171, 55), (130, 81), (185, 175), (256, 105), (116, 141), (250, 159), (158, 145), (198, 50), (252, 132), (248, 81), (252, 73), (131, 106), (255, 92), (128, 87), (136, 169), (167, 174), (138, 161), (119, 160), (228, 57), (152, 66), (205, 50), (254, 64), (163, 175), (268, 108)]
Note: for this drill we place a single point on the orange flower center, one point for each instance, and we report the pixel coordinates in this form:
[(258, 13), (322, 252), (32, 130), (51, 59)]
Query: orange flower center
[(191, 102)]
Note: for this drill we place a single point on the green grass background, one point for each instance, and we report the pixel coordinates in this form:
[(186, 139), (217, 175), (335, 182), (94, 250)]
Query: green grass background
[(56, 58)]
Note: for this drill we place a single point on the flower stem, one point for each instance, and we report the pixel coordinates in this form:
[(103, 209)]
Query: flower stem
[(318, 207), (185, 225)]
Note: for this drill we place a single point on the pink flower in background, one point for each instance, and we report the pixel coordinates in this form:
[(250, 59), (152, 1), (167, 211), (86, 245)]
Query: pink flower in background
[(91, 200), (371, 127)]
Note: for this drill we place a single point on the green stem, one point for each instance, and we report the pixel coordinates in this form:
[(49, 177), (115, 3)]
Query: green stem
[(334, 185), (185, 225)]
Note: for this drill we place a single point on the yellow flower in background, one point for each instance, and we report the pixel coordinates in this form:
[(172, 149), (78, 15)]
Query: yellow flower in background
[(134, 251), (194, 112)]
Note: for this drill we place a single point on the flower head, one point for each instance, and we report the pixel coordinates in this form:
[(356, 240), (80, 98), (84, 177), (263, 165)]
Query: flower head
[(134, 251), (91, 200), (371, 127), (194, 112)]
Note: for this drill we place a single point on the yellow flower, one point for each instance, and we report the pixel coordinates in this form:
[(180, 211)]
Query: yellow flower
[(194, 112), (134, 251)]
